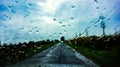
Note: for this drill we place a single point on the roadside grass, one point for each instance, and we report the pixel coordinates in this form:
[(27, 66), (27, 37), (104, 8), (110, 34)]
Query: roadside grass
[(104, 58), (22, 56)]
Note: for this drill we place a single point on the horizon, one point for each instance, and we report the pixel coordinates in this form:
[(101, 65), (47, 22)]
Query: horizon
[(24, 21)]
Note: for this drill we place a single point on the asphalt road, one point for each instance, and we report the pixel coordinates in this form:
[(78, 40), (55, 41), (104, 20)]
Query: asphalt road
[(59, 55)]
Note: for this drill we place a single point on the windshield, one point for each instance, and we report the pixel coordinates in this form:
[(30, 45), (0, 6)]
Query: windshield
[(33, 20)]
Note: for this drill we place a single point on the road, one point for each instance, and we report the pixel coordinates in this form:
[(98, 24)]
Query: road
[(59, 55)]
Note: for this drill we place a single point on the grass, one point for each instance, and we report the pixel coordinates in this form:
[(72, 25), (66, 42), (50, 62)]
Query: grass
[(104, 58)]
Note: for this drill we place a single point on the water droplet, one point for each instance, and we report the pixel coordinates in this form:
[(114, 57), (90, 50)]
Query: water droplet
[(6, 16), (12, 11), (30, 30), (16, 1), (60, 33), (108, 39), (29, 4), (71, 18), (37, 31), (73, 6), (95, 25), (92, 45), (5, 26), (104, 8), (54, 19), (38, 47), (22, 28), (23, 45), (60, 22), (68, 24), (97, 7), (63, 25), (35, 46), (35, 27), (55, 33), (65, 31), (26, 54), (10, 6), (34, 50), (32, 21), (108, 19), (12, 49), (26, 15), (106, 47), (15, 53), (9, 18), (22, 52), (19, 51), (96, 1)]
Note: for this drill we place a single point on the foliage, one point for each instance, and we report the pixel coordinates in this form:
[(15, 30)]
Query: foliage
[(103, 50), (14, 53), (98, 42)]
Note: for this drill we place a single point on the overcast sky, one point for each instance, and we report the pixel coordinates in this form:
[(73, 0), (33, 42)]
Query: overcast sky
[(25, 20)]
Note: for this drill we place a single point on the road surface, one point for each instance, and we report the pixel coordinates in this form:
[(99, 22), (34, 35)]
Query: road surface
[(59, 55)]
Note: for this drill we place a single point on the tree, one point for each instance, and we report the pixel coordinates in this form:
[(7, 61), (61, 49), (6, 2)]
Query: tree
[(62, 38), (86, 30), (102, 23), (103, 26)]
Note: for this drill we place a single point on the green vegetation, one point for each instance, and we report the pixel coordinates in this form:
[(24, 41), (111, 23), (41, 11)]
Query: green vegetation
[(102, 51), (14, 53)]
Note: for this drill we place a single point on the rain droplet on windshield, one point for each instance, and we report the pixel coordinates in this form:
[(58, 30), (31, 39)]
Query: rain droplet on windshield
[(108, 19), (60, 22), (29, 4), (37, 31), (95, 25), (31, 21), (65, 31), (30, 30), (35, 27), (63, 25), (54, 19), (12, 11), (26, 15), (16, 1), (34, 50), (71, 18), (6, 16), (5, 26), (22, 28), (60, 33), (55, 33), (97, 7), (96, 1), (73, 6), (9, 18), (68, 24), (10, 6)]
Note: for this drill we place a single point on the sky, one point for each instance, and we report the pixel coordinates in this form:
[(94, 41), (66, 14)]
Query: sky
[(34, 20)]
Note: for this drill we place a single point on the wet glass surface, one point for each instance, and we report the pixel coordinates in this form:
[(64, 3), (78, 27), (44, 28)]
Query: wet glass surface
[(26, 26)]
